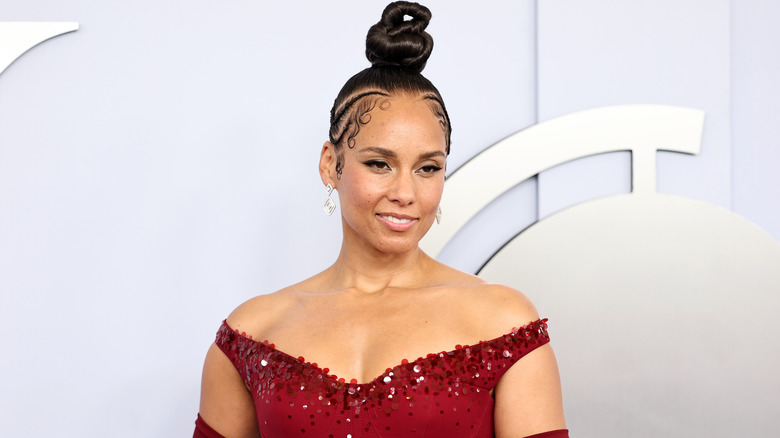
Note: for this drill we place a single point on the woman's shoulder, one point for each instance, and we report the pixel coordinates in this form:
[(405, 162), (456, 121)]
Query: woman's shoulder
[(256, 315), (504, 307), (499, 307)]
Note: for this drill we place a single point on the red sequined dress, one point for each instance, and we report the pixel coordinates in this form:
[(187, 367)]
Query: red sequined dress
[(443, 394)]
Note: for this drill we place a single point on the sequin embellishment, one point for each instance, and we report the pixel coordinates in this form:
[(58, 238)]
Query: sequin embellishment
[(447, 393)]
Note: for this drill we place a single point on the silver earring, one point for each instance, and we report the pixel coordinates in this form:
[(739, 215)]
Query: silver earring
[(329, 204), (438, 215)]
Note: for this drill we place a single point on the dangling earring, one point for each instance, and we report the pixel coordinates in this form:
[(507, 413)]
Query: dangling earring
[(329, 204), (438, 215)]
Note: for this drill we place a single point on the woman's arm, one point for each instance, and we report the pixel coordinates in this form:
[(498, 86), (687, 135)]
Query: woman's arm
[(225, 402), (528, 397)]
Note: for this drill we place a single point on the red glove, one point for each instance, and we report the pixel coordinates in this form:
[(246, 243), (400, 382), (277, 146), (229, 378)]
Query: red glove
[(560, 433), (203, 430)]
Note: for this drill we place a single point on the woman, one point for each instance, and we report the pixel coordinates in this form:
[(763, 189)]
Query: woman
[(357, 346)]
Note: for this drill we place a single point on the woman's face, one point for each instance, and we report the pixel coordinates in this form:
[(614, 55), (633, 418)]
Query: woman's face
[(392, 180)]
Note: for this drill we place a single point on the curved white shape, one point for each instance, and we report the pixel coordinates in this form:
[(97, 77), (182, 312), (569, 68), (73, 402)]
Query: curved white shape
[(661, 308), (17, 37), (642, 129)]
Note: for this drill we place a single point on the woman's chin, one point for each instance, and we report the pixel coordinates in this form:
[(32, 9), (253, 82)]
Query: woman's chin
[(397, 246)]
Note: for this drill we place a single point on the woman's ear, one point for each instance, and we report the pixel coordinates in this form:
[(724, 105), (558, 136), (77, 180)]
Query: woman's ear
[(328, 157)]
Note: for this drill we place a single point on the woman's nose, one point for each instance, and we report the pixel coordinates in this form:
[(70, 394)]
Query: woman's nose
[(403, 190)]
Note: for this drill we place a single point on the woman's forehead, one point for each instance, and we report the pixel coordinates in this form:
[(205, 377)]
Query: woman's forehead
[(401, 121)]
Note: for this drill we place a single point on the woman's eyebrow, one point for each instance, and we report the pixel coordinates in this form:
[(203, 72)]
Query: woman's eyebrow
[(390, 153), (433, 154), (381, 151)]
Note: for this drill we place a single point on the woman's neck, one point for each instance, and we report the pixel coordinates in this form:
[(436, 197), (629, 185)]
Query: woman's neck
[(369, 270)]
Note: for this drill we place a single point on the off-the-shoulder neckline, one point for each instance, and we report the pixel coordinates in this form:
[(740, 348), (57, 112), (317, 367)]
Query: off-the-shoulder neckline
[(541, 322)]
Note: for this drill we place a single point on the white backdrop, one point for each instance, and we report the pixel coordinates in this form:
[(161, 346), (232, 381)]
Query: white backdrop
[(158, 166)]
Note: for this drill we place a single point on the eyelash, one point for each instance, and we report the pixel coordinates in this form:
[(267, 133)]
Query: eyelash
[(381, 165), (377, 164), (431, 168)]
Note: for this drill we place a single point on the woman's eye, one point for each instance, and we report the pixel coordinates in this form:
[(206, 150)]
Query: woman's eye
[(430, 168), (377, 164)]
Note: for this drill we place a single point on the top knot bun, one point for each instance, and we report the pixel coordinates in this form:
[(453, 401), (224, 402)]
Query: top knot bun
[(396, 41)]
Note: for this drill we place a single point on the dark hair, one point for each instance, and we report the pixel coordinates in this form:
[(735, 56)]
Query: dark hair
[(398, 50)]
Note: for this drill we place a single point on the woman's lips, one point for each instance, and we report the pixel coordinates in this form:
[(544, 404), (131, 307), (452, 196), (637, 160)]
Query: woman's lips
[(397, 222)]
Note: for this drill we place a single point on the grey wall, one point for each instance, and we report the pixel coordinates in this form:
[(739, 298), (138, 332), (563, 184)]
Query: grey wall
[(158, 166)]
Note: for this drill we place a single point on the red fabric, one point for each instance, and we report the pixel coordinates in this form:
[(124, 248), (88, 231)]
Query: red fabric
[(446, 394), (203, 430), (560, 433)]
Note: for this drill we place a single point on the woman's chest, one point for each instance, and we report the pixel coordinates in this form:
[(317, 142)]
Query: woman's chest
[(361, 342), (444, 393)]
